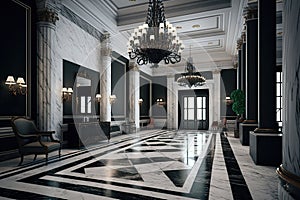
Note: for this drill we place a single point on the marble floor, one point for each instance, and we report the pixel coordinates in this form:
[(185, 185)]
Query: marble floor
[(151, 164)]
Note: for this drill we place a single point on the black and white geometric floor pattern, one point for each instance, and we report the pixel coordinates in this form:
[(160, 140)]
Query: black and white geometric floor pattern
[(156, 165)]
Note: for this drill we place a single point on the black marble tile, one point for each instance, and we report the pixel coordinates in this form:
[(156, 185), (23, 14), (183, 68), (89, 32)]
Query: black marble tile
[(138, 161), (157, 144), (161, 159), (238, 184), (153, 140), (168, 150), (178, 177), (123, 162), (181, 146), (8, 193)]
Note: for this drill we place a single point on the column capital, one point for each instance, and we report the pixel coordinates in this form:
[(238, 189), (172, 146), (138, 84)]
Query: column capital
[(105, 37), (47, 10), (171, 76), (105, 44), (243, 36), (239, 44), (47, 15), (217, 71), (250, 12), (133, 66)]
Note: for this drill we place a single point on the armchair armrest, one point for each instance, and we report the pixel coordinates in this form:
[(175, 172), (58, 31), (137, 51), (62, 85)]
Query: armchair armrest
[(48, 134), (28, 136)]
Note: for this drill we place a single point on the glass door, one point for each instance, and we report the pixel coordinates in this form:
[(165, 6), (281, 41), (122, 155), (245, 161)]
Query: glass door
[(195, 114)]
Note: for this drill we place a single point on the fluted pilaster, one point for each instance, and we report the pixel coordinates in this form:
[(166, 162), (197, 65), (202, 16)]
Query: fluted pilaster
[(47, 18)]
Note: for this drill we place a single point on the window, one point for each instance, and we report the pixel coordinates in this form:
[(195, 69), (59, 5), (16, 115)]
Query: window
[(85, 104), (201, 108), (279, 98)]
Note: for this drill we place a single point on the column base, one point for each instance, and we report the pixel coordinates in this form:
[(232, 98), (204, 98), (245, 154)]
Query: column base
[(244, 130), (289, 184), (266, 148)]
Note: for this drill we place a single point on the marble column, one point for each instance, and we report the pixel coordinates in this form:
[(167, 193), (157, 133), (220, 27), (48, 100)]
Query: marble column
[(266, 141), (171, 102), (239, 71), (267, 66), (289, 171), (250, 122), (250, 15), (105, 78), (47, 16), (217, 98), (134, 93), (243, 62)]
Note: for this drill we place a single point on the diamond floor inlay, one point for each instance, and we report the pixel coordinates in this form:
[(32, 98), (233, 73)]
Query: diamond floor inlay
[(152, 164)]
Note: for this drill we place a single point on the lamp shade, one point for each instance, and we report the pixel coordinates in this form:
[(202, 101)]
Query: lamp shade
[(70, 90), (98, 96), (20, 80), (10, 80), (64, 90)]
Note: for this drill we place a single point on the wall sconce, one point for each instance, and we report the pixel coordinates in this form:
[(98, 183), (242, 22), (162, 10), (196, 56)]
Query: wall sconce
[(98, 98), (112, 99), (67, 94), (18, 87), (160, 102), (140, 101), (228, 101)]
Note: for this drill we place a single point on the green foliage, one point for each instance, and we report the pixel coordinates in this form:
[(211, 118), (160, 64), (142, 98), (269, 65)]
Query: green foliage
[(238, 98)]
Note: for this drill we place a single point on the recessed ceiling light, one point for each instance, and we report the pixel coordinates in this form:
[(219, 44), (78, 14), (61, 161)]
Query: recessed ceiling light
[(196, 26)]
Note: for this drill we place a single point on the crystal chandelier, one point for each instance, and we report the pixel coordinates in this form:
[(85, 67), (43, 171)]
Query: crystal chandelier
[(191, 78), (156, 39)]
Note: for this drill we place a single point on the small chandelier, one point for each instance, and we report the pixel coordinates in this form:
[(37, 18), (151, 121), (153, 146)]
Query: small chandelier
[(191, 78), (156, 39)]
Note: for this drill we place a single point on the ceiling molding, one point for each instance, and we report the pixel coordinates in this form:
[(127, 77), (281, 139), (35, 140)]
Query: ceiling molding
[(136, 14)]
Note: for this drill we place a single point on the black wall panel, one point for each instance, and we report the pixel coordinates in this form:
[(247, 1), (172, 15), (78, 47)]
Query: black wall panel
[(228, 84), (70, 71)]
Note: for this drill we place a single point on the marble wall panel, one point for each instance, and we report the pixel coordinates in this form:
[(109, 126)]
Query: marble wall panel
[(75, 45)]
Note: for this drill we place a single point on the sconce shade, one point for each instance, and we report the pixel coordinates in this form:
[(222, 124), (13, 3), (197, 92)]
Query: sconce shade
[(20, 80), (70, 90), (98, 96), (10, 80), (67, 93), (112, 98)]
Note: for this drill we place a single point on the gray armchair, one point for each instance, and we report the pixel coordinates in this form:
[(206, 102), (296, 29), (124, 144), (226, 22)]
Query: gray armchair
[(31, 140)]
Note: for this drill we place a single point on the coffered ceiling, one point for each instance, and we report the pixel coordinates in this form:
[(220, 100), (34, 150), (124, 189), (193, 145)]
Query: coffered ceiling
[(209, 27)]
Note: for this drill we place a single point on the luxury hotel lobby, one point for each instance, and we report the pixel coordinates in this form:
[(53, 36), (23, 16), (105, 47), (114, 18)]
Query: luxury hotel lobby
[(158, 99)]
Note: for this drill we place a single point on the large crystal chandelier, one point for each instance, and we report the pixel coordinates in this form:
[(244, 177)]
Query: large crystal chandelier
[(155, 40), (191, 78)]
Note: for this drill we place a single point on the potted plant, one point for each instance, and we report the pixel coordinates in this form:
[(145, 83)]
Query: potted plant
[(238, 106)]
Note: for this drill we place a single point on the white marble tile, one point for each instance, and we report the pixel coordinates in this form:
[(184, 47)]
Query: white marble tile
[(261, 180), (219, 185)]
